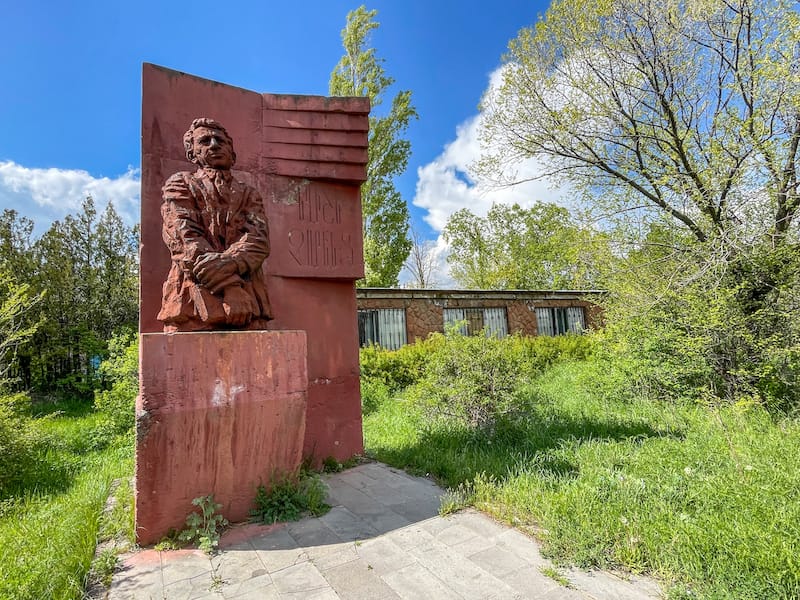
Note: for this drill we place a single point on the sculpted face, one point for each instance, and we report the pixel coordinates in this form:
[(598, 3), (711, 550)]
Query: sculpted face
[(212, 148)]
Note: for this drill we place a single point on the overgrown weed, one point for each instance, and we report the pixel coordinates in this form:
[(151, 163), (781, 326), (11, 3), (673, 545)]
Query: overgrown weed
[(290, 497)]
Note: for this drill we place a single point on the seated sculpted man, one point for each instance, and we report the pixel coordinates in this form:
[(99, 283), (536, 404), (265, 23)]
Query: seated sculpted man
[(217, 235)]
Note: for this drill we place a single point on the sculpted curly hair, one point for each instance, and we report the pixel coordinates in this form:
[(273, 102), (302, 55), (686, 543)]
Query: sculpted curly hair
[(188, 137)]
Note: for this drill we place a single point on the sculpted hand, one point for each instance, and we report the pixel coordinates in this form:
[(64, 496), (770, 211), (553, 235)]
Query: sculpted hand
[(215, 270), (239, 306)]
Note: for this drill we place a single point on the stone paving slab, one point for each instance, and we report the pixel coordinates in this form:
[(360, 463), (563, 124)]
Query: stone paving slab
[(382, 540)]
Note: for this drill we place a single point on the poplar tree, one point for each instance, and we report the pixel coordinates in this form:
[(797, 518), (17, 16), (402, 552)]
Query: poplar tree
[(385, 214)]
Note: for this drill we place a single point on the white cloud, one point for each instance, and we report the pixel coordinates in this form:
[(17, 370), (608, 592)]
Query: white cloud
[(46, 195), (448, 184)]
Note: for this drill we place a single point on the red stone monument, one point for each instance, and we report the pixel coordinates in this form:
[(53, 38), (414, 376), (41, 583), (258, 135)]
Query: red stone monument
[(274, 378)]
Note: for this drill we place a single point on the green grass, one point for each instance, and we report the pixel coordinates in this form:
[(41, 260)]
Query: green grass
[(706, 499), (49, 529)]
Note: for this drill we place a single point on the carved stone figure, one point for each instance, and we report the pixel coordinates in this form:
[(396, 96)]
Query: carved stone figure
[(217, 235)]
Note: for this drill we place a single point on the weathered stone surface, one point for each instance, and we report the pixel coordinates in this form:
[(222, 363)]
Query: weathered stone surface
[(521, 318), (305, 156), (216, 231), (218, 413)]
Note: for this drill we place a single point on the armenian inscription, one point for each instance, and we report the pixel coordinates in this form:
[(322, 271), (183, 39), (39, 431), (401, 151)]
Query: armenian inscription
[(319, 242)]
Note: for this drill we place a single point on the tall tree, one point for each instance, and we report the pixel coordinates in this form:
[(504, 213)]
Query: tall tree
[(385, 214), (421, 263), (16, 243), (515, 248), (689, 108), (88, 270), (686, 110)]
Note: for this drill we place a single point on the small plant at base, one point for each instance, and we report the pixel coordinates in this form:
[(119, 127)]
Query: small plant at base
[(203, 528), (168, 543), (289, 497), (456, 499), (554, 574), (331, 465), (104, 565)]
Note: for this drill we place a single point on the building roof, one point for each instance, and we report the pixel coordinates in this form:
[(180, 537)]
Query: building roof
[(432, 294)]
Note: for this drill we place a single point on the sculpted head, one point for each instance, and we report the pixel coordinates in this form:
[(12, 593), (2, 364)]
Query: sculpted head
[(208, 144)]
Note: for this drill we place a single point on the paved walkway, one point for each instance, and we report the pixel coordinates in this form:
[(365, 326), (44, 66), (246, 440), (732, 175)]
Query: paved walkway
[(382, 539)]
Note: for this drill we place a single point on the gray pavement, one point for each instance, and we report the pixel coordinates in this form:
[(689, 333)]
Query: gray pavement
[(382, 539)]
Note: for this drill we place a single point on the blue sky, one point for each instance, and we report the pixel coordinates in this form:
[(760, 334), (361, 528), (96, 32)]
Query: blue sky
[(71, 96)]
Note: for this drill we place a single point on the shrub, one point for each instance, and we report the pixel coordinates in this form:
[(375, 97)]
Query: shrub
[(21, 446), (203, 528), (397, 369), (121, 370), (374, 392), (473, 379)]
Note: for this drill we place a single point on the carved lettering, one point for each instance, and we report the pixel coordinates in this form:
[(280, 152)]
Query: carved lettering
[(314, 206), (321, 247)]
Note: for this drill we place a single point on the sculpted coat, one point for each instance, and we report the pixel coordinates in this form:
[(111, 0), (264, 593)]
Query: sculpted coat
[(208, 217)]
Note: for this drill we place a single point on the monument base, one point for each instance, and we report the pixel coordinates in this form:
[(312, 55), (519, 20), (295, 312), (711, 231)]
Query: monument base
[(218, 413)]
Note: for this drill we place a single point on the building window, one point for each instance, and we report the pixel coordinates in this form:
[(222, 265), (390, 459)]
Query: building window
[(385, 327), (560, 320), (475, 320)]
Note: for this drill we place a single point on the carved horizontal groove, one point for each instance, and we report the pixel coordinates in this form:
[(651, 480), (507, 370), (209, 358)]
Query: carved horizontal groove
[(315, 153), (325, 137), (315, 120), (354, 105), (315, 170)]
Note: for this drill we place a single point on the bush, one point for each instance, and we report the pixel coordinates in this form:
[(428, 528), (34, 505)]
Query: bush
[(289, 498), (473, 379), (398, 369), (20, 445), (374, 393), (121, 371)]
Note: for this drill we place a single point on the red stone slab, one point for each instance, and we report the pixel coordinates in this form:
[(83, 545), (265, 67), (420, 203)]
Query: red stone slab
[(218, 412), (314, 212)]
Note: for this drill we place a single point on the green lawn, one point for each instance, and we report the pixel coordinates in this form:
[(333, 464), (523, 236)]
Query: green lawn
[(706, 499), (49, 529)]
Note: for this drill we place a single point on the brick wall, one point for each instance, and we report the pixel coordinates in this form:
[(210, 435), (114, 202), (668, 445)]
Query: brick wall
[(424, 315)]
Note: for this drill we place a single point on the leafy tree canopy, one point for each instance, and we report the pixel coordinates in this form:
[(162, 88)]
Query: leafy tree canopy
[(516, 248), (360, 72), (684, 108)]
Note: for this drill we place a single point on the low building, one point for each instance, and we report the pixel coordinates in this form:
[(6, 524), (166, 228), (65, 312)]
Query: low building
[(391, 317)]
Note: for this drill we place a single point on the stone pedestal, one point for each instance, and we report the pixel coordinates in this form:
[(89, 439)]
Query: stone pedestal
[(218, 412)]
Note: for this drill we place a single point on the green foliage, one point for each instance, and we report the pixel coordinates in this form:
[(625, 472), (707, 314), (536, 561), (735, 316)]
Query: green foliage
[(374, 392), (331, 465), (397, 369), (385, 214), (289, 498), (82, 275), (203, 528), (16, 303), (639, 105), (472, 379), (541, 247), (49, 529), (683, 137), (21, 446), (121, 371), (621, 480), (457, 498), (688, 330)]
